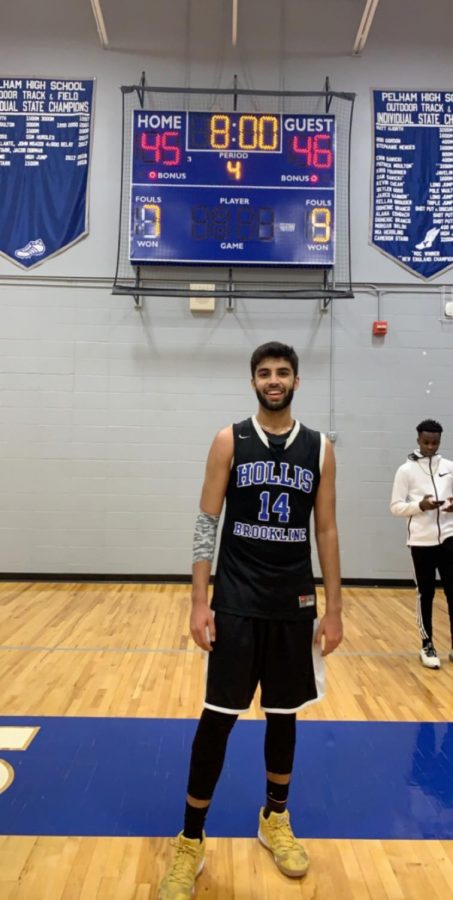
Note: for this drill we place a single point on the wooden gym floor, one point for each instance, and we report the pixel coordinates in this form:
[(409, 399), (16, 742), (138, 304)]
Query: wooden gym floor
[(124, 650)]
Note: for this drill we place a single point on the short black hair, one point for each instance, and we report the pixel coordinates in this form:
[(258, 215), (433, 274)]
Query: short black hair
[(430, 425), (276, 350)]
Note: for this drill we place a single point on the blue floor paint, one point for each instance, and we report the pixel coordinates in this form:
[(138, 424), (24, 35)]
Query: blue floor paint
[(93, 776)]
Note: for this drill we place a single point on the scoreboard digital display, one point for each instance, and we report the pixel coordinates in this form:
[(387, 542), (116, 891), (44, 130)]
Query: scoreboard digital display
[(232, 189)]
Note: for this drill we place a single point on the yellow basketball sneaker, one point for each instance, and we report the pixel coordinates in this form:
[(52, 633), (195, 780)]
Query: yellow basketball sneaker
[(276, 834), (179, 882)]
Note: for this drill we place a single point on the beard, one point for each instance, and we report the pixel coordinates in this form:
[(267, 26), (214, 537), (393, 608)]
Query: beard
[(275, 405)]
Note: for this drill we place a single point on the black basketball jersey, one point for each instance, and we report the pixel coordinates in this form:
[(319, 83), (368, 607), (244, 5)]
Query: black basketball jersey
[(264, 566)]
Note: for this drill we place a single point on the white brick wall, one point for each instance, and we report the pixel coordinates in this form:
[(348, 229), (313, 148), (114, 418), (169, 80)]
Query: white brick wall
[(104, 441)]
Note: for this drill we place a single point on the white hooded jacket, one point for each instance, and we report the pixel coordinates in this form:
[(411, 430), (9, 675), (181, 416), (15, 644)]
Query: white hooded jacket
[(417, 477)]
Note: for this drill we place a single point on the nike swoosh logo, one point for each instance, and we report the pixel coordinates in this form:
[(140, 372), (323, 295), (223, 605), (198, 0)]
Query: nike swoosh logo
[(441, 474), (243, 437)]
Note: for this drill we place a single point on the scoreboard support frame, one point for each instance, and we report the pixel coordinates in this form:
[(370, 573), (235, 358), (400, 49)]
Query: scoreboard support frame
[(153, 280)]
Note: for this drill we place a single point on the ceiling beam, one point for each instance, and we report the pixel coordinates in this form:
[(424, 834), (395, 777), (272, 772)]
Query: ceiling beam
[(100, 23), (364, 27), (234, 24)]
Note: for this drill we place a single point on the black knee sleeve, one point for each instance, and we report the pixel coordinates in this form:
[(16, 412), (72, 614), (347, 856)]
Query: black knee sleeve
[(280, 742), (208, 752)]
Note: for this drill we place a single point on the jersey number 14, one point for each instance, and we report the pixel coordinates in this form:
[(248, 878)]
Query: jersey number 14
[(280, 507)]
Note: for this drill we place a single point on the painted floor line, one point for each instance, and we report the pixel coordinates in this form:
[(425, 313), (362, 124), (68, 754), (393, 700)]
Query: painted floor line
[(59, 649), (35, 648), (104, 776)]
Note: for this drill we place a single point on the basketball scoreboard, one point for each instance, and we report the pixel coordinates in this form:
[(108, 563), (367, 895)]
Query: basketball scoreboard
[(232, 189)]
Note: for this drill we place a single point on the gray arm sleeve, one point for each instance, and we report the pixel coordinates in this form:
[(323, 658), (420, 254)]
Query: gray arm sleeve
[(204, 537)]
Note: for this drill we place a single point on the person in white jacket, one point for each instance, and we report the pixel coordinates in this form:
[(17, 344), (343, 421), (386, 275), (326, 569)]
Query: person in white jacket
[(423, 494)]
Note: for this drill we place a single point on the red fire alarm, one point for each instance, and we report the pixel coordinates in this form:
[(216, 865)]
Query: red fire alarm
[(380, 327)]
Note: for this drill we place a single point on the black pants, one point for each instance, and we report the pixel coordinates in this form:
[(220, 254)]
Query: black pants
[(428, 560), (210, 741)]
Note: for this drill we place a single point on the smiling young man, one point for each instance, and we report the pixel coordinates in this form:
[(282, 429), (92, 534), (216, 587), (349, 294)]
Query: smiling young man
[(423, 493), (261, 627)]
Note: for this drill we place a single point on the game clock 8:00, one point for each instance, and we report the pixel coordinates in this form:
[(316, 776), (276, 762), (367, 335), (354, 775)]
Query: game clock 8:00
[(235, 188)]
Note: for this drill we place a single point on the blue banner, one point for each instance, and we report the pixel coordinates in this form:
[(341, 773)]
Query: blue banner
[(412, 220), (45, 136)]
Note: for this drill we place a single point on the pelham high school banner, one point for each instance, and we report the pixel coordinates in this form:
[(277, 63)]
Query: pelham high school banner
[(45, 138), (412, 186)]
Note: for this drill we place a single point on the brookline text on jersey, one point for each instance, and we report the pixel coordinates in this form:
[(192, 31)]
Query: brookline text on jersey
[(270, 533)]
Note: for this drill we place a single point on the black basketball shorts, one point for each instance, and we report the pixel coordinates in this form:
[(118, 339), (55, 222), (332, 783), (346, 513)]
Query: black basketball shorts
[(279, 656)]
